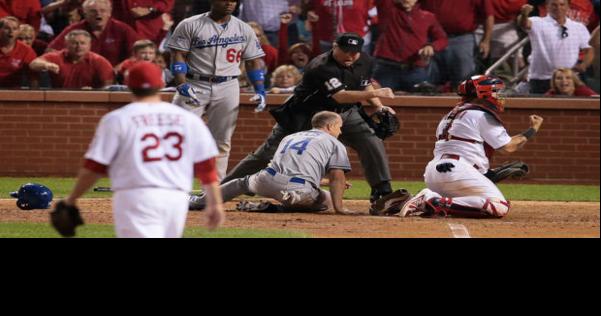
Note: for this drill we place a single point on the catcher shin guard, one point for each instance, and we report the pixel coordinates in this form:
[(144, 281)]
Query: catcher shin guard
[(443, 206)]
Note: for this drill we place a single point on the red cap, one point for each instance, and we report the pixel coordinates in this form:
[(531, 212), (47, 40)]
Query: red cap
[(145, 75)]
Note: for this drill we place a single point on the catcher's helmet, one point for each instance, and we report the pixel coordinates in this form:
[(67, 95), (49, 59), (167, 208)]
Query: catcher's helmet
[(33, 196), (486, 88)]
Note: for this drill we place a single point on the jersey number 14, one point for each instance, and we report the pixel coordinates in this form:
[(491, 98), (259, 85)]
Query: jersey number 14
[(300, 147)]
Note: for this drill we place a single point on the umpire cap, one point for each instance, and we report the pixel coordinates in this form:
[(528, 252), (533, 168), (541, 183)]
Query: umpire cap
[(145, 75), (350, 42)]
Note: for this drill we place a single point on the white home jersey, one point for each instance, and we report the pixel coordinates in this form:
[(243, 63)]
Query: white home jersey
[(215, 49), (151, 146), (477, 126), (310, 155)]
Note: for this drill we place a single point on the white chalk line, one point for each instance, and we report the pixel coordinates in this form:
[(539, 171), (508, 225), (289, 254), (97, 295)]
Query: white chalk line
[(459, 231)]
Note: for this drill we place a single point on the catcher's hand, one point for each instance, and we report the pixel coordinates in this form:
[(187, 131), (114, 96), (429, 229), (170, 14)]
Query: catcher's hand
[(65, 218), (515, 170)]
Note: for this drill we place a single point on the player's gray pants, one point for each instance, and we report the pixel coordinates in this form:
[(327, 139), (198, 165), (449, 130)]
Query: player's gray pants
[(220, 103), (355, 134), (278, 187)]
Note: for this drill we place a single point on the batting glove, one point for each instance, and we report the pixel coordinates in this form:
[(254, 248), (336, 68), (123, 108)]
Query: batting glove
[(259, 97), (187, 90)]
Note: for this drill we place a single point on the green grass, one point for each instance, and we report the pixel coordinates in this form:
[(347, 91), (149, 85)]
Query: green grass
[(360, 190), (43, 230)]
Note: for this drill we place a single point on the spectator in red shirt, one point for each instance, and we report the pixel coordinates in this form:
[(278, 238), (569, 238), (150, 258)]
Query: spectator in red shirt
[(76, 67), (271, 53), (144, 50), (111, 39), (409, 38), (337, 17), (505, 30), (298, 54), (27, 35), (144, 16), (26, 11), (14, 55), (460, 19), (565, 82)]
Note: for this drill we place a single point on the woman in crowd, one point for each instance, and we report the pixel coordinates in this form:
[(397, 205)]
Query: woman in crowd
[(565, 82)]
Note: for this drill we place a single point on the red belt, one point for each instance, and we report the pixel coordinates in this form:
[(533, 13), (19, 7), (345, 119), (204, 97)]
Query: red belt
[(455, 157)]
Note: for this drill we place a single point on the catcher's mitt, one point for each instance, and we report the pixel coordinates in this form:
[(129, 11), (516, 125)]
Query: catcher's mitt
[(515, 170), (384, 124), (65, 218), (390, 204)]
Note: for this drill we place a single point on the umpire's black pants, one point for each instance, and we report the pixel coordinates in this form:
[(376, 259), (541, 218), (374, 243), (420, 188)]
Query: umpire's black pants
[(355, 134)]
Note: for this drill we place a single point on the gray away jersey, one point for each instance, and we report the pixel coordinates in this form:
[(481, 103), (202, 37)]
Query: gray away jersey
[(310, 155), (213, 49)]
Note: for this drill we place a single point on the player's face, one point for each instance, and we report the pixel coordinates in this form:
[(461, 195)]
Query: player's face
[(146, 54), (78, 46), (558, 9), (344, 58), (564, 84), (9, 32), (335, 129), (98, 13), (224, 7)]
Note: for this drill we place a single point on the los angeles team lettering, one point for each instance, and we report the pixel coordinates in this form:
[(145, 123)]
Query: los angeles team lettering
[(215, 40)]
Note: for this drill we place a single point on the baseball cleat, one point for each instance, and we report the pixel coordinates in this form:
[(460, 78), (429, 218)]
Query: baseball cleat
[(415, 206), (259, 207), (390, 204), (196, 203)]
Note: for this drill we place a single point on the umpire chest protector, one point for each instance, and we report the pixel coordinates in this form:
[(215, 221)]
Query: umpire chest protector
[(323, 78)]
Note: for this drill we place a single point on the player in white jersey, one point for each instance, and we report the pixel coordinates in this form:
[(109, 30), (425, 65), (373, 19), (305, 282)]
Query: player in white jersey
[(467, 138), (151, 151), (294, 175), (207, 50)]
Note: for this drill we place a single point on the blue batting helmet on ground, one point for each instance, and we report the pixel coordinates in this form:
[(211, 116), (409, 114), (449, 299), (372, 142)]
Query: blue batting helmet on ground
[(33, 196)]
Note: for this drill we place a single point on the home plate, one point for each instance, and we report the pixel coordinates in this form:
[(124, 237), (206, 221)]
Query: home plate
[(459, 231)]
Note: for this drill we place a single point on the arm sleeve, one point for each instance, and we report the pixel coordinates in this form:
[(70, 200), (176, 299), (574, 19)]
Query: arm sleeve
[(253, 48), (35, 15), (493, 132), (339, 158), (486, 9), (163, 6), (181, 38), (586, 37), (206, 171), (438, 36), (105, 145), (59, 41), (283, 45)]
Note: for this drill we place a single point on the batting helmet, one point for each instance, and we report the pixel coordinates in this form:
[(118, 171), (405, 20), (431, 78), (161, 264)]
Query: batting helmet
[(33, 196), (486, 88)]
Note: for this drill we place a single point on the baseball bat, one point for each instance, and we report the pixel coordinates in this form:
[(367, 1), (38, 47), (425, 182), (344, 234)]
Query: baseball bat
[(108, 189)]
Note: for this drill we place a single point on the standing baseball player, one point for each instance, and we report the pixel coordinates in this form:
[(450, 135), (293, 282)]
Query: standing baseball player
[(294, 175), (336, 81), (151, 151), (467, 138), (207, 50)]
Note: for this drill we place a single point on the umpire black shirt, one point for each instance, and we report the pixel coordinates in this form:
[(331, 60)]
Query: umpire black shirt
[(323, 78)]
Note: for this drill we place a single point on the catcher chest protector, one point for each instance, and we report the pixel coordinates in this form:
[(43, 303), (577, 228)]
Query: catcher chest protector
[(33, 196)]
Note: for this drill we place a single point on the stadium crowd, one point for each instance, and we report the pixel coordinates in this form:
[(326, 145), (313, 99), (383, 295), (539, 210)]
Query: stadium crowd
[(420, 46)]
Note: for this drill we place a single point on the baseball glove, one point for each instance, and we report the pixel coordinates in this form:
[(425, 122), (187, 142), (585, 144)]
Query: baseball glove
[(390, 204), (514, 170), (384, 124), (65, 218)]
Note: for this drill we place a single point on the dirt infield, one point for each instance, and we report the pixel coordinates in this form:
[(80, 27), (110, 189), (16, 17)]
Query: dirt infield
[(527, 219)]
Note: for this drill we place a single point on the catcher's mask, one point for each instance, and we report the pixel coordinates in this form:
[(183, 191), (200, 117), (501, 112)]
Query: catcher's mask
[(490, 89), (33, 196)]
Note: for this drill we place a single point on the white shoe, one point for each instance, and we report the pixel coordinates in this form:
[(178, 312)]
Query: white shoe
[(416, 205)]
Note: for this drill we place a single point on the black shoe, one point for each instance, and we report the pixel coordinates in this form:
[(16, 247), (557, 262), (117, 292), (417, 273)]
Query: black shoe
[(380, 190), (390, 204)]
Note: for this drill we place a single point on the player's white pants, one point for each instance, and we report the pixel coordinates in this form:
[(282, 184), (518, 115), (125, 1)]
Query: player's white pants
[(150, 213), (220, 103), (466, 186), (290, 194)]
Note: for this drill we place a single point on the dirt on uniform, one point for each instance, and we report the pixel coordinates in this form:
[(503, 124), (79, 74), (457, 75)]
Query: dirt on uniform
[(526, 219)]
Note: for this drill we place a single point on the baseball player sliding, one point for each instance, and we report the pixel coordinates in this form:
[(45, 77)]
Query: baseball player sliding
[(151, 151), (467, 138), (294, 175), (207, 50)]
